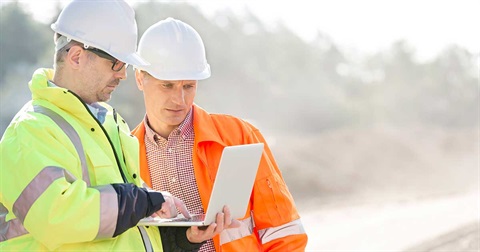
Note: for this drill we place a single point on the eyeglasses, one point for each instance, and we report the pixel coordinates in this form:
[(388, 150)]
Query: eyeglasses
[(117, 64)]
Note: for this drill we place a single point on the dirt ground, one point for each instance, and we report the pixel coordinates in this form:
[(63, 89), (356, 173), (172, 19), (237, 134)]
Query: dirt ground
[(380, 162), (464, 239), (385, 189), (447, 223)]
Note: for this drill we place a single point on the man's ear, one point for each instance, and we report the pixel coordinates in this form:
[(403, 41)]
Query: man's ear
[(139, 76), (73, 56)]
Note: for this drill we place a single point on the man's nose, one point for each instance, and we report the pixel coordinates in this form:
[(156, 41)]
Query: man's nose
[(122, 74), (178, 96)]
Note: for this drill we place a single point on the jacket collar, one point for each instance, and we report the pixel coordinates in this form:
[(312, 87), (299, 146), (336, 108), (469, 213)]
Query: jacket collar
[(59, 96), (204, 127)]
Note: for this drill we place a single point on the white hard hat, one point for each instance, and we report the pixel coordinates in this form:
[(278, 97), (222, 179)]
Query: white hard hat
[(107, 25), (175, 51)]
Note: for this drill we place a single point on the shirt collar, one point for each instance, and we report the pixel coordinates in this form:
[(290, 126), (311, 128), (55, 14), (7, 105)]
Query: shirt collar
[(185, 128), (98, 111)]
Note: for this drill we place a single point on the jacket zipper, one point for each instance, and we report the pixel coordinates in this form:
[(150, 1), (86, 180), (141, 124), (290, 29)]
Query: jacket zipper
[(106, 135), (114, 152)]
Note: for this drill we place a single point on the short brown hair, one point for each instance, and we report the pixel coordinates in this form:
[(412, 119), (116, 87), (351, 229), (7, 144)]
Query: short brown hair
[(60, 54)]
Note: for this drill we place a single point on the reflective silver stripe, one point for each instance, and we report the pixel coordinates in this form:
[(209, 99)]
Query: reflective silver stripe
[(146, 239), (231, 234), (291, 228), (35, 188), (24, 202), (71, 133), (11, 228), (108, 211), (108, 200)]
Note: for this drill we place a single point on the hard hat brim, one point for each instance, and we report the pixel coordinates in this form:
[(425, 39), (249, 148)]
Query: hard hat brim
[(131, 59), (134, 59), (173, 76)]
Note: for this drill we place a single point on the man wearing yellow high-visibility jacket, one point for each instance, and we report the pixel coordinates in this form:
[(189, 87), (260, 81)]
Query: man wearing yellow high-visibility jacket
[(69, 176)]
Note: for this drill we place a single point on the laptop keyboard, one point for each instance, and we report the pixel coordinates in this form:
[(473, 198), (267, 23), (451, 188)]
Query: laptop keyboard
[(194, 218)]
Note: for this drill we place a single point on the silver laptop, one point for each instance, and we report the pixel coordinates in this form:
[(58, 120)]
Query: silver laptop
[(233, 186)]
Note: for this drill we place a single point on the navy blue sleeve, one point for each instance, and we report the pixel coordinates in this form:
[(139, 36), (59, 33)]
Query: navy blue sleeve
[(135, 203)]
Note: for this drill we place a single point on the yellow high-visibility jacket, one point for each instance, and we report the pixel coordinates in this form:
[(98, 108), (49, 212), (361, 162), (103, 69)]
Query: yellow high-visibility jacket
[(57, 195)]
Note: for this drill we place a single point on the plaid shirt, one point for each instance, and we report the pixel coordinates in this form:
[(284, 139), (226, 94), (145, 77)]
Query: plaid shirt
[(171, 167)]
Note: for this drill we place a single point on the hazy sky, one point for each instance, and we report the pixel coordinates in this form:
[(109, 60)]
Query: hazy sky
[(366, 25)]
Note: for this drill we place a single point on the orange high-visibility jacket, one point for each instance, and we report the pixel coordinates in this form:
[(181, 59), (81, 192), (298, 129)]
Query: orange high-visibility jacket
[(272, 222)]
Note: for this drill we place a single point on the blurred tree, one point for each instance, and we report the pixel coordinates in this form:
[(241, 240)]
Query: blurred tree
[(400, 84), (402, 91), (450, 89), (22, 39)]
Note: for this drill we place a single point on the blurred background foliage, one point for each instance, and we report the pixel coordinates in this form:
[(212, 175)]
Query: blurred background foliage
[(341, 123)]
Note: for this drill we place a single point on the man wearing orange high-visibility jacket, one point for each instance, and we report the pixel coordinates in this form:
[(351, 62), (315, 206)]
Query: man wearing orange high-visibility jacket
[(181, 144)]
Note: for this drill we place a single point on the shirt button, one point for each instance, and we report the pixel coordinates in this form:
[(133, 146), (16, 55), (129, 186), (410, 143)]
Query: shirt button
[(174, 180), (170, 150)]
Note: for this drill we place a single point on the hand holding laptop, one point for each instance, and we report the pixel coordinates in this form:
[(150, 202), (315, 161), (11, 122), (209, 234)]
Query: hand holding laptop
[(197, 234)]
